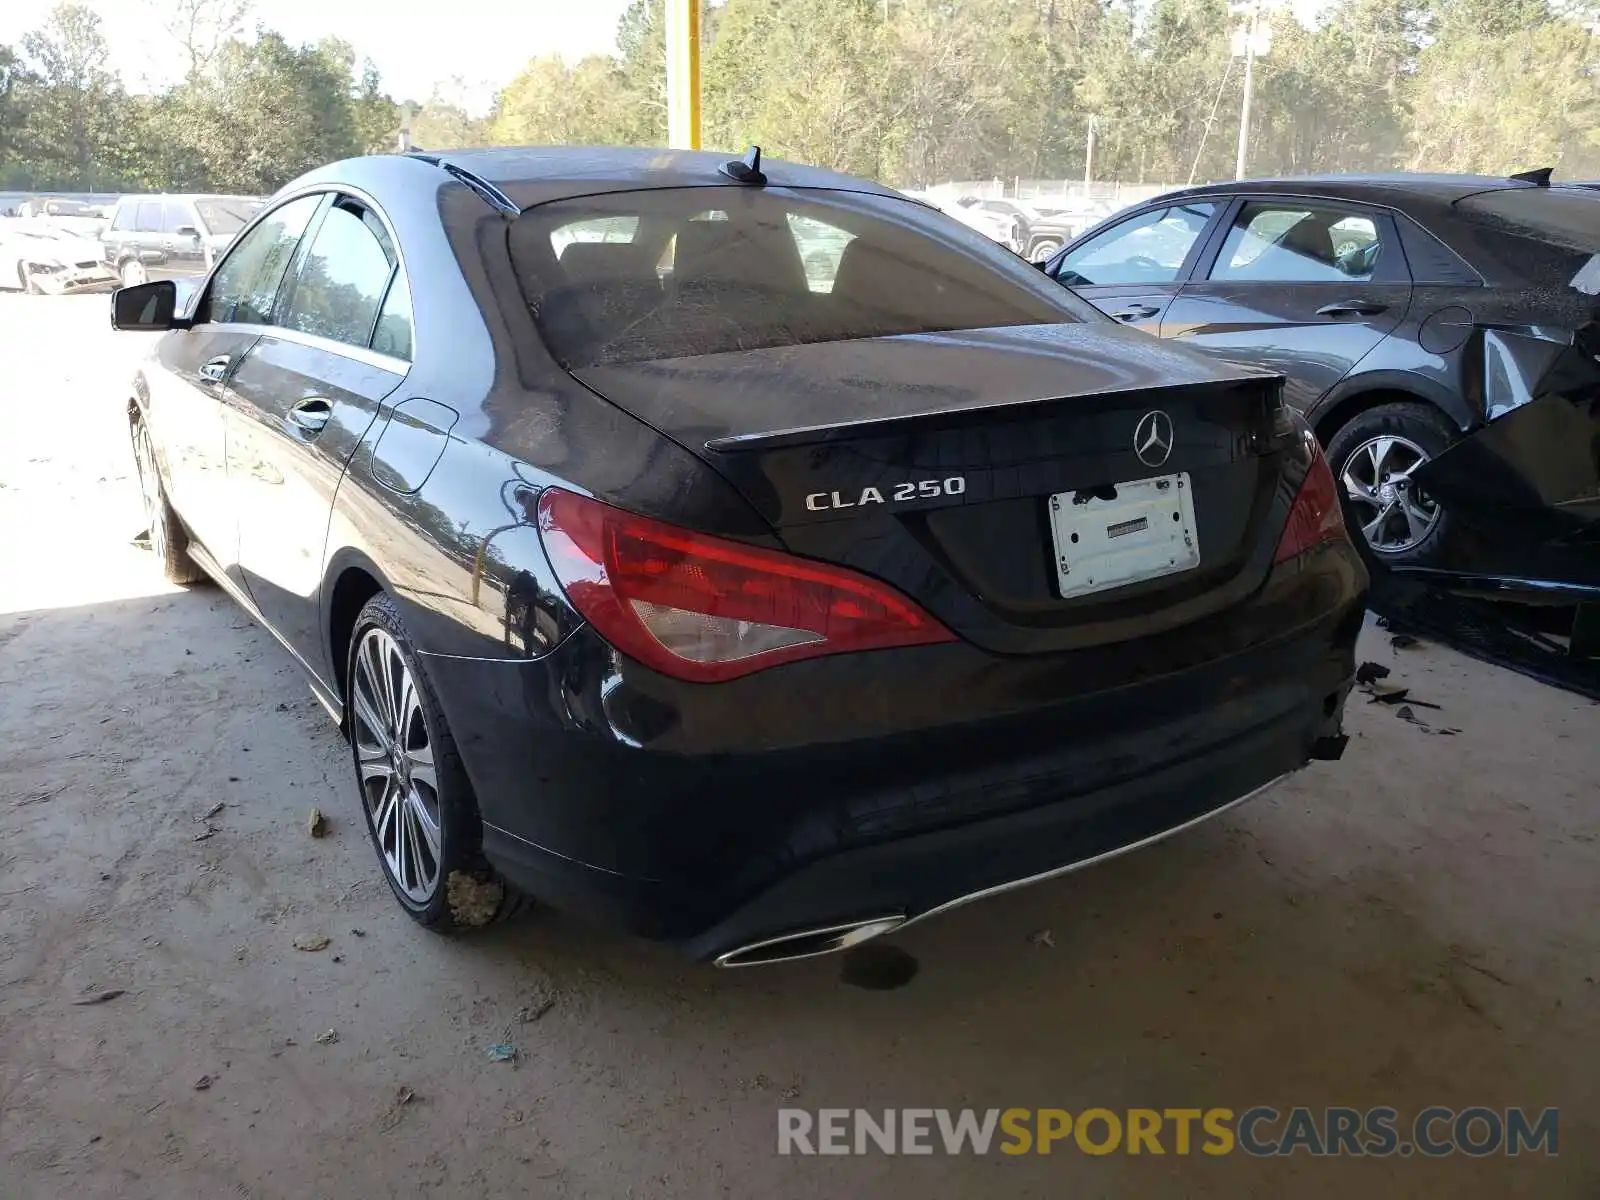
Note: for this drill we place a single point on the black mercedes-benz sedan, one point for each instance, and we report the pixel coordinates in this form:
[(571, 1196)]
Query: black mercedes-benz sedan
[(1440, 333), (742, 554)]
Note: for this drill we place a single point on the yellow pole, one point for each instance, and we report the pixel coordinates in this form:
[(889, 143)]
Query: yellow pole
[(683, 74)]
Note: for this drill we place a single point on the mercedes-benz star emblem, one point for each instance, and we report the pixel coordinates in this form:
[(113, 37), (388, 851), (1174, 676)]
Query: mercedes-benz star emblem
[(1152, 438)]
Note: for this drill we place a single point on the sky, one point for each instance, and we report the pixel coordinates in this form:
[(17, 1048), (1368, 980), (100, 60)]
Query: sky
[(415, 44)]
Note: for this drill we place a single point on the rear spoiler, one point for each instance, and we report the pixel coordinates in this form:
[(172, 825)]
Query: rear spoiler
[(980, 414)]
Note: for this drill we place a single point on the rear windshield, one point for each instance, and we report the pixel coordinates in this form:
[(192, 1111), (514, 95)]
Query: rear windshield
[(673, 272), (1564, 217)]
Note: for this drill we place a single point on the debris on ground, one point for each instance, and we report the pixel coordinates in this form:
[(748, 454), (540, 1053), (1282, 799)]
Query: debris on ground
[(203, 1083), (1043, 938), (212, 811), (102, 997), (503, 1052), (312, 941), (1402, 641), (1371, 672), (542, 1002), (327, 1037), (1386, 693), (317, 824), (208, 832), (359, 932), (474, 902), (404, 1096)]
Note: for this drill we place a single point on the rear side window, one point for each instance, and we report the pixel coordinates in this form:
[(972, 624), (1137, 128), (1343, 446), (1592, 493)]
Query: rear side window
[(393, 333), (246, 284), (346, 274), (1295, 243), (674, 272)]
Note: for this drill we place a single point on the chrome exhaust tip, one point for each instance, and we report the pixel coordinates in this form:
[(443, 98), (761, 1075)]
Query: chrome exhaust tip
[(809, 943)]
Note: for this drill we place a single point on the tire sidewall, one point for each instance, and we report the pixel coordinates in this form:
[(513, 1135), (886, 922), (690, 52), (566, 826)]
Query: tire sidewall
[(1419, 423)]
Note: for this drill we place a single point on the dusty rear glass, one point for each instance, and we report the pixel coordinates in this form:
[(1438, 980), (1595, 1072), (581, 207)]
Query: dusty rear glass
[(673, 272), (1566, 217)]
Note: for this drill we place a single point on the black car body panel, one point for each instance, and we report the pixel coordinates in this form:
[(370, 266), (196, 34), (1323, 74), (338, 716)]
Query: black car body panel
[(1481, 304), (1041, 732)]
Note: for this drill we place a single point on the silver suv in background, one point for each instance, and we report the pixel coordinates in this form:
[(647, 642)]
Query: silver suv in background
[(163, 237)]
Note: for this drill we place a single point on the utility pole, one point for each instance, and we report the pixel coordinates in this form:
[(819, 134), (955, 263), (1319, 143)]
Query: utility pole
[(1088, 158), (1254, 40)]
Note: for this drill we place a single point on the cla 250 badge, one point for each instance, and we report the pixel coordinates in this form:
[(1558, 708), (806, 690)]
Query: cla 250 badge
[(897, 493)]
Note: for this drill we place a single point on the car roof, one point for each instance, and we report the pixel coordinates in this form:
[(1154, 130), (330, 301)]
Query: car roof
[(1399, 189), (536, 174)]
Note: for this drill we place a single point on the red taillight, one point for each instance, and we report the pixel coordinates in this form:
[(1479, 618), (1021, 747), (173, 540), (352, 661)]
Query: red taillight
[(1316, 516), (706, 609)]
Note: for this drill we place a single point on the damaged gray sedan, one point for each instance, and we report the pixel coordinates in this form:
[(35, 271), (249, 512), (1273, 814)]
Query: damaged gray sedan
[(1439, 332)]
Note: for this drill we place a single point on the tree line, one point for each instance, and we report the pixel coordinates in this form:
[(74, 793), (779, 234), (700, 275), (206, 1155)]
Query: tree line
[(913, 92)]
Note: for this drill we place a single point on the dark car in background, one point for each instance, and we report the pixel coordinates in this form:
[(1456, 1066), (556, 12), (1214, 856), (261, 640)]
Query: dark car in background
[(756, 605), (1438, 332), (168, 236)]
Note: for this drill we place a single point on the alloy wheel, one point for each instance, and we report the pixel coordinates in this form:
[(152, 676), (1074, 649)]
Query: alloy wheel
[(394, 763), (1395, 515), (155, 514)]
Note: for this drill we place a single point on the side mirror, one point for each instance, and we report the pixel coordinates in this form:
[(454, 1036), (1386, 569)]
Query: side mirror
[(145, 307), (187, 231)]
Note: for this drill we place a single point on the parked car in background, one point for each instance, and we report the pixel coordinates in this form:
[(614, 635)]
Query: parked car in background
[(37, 255), (162, 237), (1439, 332), (758, 604)]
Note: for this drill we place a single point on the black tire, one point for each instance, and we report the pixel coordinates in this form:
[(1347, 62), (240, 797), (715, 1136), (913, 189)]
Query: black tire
[(30, 285), (1424, 428), (169, 540), (466, 893)]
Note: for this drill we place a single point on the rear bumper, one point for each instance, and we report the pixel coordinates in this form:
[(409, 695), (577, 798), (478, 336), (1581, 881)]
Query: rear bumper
[(882, 784)]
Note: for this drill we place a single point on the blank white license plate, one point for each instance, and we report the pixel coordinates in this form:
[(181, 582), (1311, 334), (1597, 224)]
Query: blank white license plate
[(1146, 532)]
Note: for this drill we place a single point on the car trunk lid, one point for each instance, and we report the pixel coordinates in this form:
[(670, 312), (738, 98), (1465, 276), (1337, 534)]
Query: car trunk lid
[(941, 462)]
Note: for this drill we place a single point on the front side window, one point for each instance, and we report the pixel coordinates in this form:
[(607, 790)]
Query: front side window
[(705, 270), (148, 218), (123, 221), (1298, 243), (246, 284), (341, 287), (1147, 249)]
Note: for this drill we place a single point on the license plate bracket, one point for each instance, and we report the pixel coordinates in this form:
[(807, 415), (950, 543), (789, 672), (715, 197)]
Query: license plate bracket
[(1144, 530)]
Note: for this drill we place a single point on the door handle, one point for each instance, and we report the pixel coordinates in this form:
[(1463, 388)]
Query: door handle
[(215, 370), (1352, 308), (1135, 312), (309, 416)]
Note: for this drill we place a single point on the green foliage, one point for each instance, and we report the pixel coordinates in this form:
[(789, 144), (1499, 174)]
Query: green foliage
[(914, 92)]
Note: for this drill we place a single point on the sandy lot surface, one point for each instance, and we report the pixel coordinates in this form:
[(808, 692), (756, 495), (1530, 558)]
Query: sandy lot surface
[(1418, 924)]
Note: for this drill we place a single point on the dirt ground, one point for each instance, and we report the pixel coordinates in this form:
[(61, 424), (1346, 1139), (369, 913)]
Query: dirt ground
[(1418, 924)]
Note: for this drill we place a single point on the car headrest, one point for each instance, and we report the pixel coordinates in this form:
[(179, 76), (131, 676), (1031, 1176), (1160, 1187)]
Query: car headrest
[(722, 253), (1310, 238), (603, 262)]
